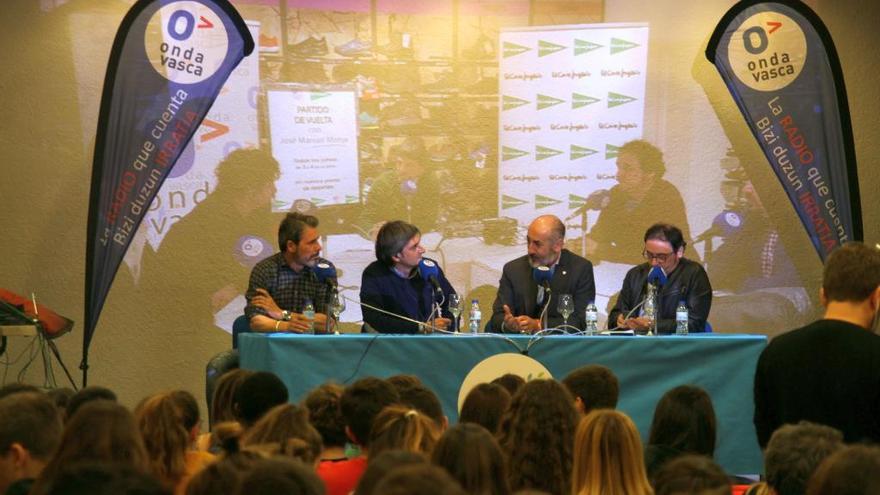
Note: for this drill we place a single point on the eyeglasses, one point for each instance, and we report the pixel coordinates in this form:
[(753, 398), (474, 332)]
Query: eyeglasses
[(659, 257)]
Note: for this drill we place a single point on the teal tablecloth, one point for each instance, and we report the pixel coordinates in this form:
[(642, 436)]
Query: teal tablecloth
[(724, 365)]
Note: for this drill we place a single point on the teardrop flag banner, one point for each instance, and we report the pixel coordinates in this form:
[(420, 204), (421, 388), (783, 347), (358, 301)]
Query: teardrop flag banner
[(169, 61), (780, 65)]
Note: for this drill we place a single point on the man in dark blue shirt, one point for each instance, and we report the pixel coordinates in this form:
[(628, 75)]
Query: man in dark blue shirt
[(393, 283)]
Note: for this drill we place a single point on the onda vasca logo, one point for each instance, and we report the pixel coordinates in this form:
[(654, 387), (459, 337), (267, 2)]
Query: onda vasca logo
[(186, 42), (767, 51)]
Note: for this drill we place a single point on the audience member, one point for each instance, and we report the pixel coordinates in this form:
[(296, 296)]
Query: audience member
[(104, 478), (61, 396), (594, 387), (684, 423), (222, 407), (852, 470), (281, 476), (608, 456), (15, 388), (87, 395), (287, 427), (403, 380), (472, 456), (511, 382), (360, 403), (793, 454), (828, 372), (402, 428), (484, 405), (258, 393), (223, 476), (30, 430), (169, 424), (418, 479), (325, 416), (100, 431), (382, 464), (691, 475), (536, 435), (424, 400)]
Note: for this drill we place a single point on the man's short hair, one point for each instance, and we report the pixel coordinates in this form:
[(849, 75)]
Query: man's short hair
[(596, 385), (424, 400), (86, 395), (292, 228), (362, 401), (392, 238), (852, 272), (666, 232), (852, 469), (691, 475), (511, 382), (31, 420), (649, 156), (257, 394), (795, 451)]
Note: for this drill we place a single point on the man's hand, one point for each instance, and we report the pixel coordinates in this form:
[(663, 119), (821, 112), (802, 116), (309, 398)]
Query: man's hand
[(522, 324), (640, 323), (264, 301), (438, 323)]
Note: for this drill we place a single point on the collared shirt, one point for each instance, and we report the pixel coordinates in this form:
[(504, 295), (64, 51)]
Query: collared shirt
[(288, 288)]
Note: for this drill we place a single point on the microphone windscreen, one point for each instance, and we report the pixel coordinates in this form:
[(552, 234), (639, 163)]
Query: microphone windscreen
[(325, 270), (656, 276), (428, 269), (542, 274)]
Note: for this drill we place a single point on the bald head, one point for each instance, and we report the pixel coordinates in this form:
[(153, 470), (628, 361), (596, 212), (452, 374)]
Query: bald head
[(548, 225), (545, 240)]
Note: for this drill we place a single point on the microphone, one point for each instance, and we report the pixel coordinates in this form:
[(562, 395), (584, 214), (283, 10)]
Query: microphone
[(724, 224), (542, 276), (325, 272), (429, 271), (656, 277)]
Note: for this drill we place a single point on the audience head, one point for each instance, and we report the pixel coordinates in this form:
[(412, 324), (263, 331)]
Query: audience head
[(536, 433), (30, 430), (852, 275), (418, 479), (287, 426), (404, 428), (852, 470), (104, 478), (691, 475), (593, 387), (424, 400), (484, 405), (608, 456), (361, 402), (61, 396), (403, 380), (85, 396), (258, 393), (472, 456), (684, 420), (794, 452), (168, 423), (223, 476), (510, 382), (382, 464), (223, 400), (15, 388), (325, 415), (281, 476)]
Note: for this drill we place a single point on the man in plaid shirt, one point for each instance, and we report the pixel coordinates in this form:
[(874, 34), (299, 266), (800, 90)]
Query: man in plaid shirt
[(282, 284)]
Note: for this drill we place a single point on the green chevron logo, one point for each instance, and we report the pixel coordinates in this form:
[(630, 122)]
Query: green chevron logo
[(512, 49), (578, 100), (545, 201), (618, 45), (543, 152), (511, 102), (508, 153), (508, 202), (318, 96), (576, 201), (617, 99), (545, 101), (577, 152), (611, 151), (546, 48), (351, 199), (583, 46)]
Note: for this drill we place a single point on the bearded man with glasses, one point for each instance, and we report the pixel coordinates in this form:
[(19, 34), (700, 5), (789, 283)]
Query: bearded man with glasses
[(684, 280)]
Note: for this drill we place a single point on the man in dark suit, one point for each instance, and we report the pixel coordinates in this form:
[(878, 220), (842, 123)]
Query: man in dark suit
[(521, 301), (828, 372)]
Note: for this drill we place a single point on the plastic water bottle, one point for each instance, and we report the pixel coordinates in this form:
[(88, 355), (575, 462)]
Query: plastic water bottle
[(681, 318), (309, 313), (592, 319), (475, 317)]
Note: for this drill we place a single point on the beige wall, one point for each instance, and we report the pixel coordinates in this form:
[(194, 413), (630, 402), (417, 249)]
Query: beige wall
[(45, 173)]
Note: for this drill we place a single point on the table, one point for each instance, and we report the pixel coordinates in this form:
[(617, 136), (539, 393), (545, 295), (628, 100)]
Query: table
[(724, 365)]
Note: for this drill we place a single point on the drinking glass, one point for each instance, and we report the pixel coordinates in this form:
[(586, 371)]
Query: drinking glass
[(455, 309), (565, 306)]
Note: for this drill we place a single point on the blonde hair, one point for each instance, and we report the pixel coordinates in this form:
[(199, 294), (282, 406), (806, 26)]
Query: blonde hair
[(401, 428), (608, 458)]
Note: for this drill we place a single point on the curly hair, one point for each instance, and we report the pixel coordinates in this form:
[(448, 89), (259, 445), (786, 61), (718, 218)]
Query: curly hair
[(324, 413), (537, 436)]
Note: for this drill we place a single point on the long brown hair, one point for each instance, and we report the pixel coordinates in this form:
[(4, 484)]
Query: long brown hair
[(286, 426), (472, 456), (399, 427), (165, 421), (608, 458)]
